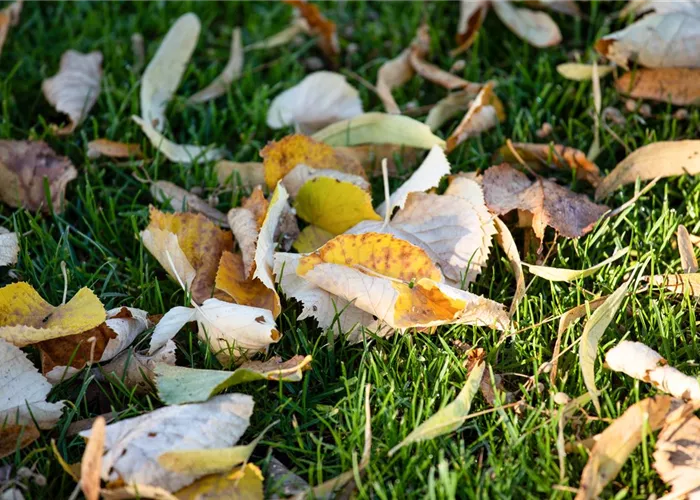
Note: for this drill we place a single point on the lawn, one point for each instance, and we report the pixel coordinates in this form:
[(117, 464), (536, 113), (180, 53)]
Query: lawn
[(320, 434)]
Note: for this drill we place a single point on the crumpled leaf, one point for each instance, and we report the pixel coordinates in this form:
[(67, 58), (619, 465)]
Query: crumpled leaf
[(675, 36), (332, 205), (379, 128), (593, 332), (507, 243), (615, 444), (677, 457), (689, 263), (658, 159), (231, 73), (232, 331), (320, 26), (112, 149), (319, 100), (570, 214), (9, 247), (447, 108), (162, 76), (249, 174), (312, 238), (561, 274), (182, 200), (265, 247), (553, 156), (471, 16), (189, 247), (679, 86), (232, 279), (26, 318), (580, 72), (91, 463), (75, 88), (449, 418), (133, 369), (536, 28), (393, 74), (134, 445), (178, 153), (9, 16), (243, 483), (24, 392), (25, 166), (643, 363), (485, 112), (177, 384), (283, 156)]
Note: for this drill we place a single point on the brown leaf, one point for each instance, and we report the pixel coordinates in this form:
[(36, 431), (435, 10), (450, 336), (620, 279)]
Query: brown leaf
[(689, 263), (399, 158), (553, 155), (570, 214), (75, 88), (257, 204), (15, 437), (484, 113), (392, 74), (322, 27), (9, 16), (471, 17), (112, 149), (238, 287), (679, 86), (250, 173), (75, 350), (677, 457), (23, 167), (91, 464), (182, 200)]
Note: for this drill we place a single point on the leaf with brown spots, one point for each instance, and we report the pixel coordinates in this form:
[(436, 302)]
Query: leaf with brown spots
[(320, 26), (570, 214), (189, 247), (679, 86), (25, 166), (484, 113)]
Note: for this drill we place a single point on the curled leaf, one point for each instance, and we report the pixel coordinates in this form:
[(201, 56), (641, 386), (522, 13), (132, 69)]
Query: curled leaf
[(231, 73), (485, 112), (447, 108), (471, 17), (91, 464), (232, 279), (559, 274), (9, 16), (689, 263), (536, 28)]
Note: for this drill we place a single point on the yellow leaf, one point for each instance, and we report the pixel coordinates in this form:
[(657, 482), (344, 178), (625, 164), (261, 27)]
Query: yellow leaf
[(582, 72), (311, 238), (26, 318), (244, 483), (559, 274), (91, 464), (231, 279), (332, 205)]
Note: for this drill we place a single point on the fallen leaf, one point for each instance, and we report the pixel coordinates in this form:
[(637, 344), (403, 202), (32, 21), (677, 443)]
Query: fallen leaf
[(283, 156), (9, 247), (189, 247), (568, 7), (75, 88), (136, 491), (257, 204), (379, 128), (593, 332), (553, 155), (659, 159), (247, 174), (393, 74), (447, 108), (570, 214), (91, 464), (471, 17), (243, 483), (232, 279), (689, 263), (507, 243), (25, 166), (319, 100), (484, 113), (302, 174), (182, 200), (560, 274), (679, 86), (162, 76), (580, 72), (24, 392), (178, 153), (643, 363), (675, 35), (16, 437), (536, 28), (320, 26), (231, 73), (178, 385), (26, 318), (449, 418), (615, 444), (312, 238), (265, 246), (297, 27), (134, 445), (112, 149), (9, 16), (677, 457), (370, 156), (135, 369), (281, 482), (333, 205)]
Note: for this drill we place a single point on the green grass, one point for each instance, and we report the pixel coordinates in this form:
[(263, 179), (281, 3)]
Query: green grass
[(320, 434)]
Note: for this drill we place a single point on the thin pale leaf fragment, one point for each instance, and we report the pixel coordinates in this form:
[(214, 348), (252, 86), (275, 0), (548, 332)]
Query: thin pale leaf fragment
[(580, 72), (507, 243), (91, 464), (231, 73), (689, 263), (560, 274), (9, 247), (112, 149)]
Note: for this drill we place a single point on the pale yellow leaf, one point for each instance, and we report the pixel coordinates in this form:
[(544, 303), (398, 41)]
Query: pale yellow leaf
[(178, 153), (536, 28), (231, 73), (581, 72), (560, 274), (689, 263)]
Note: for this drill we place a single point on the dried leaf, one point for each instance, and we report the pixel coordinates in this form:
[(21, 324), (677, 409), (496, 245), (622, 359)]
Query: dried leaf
[(643, 363), (266, 244), (248, 174), (471, 17), (244, 483), (678, 283), (568, 7), (659, 159), (447, 108), (560, 274), (449, 418), (580, 72), (178, 153), (91, 464), (134, 445), (570, 214), (554, 156), (135, 370), (677, 457), (319, 100), (9, 16), (689, 263), (162, 76), (302, 174), (593, 332), (297, 27), (16, 437), (320, 26), (675, 35), (393, 74), (9, 247), (484, 113), (679, 86), (281, 157), (507, 243), (178, 385), (25, 166), (26, 318), (231, 73), (111, 149), (232, 279), (75, 88), (182, 200), (619, 440), (536, 28), (379, 128), (312, 238), (370, 156)]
